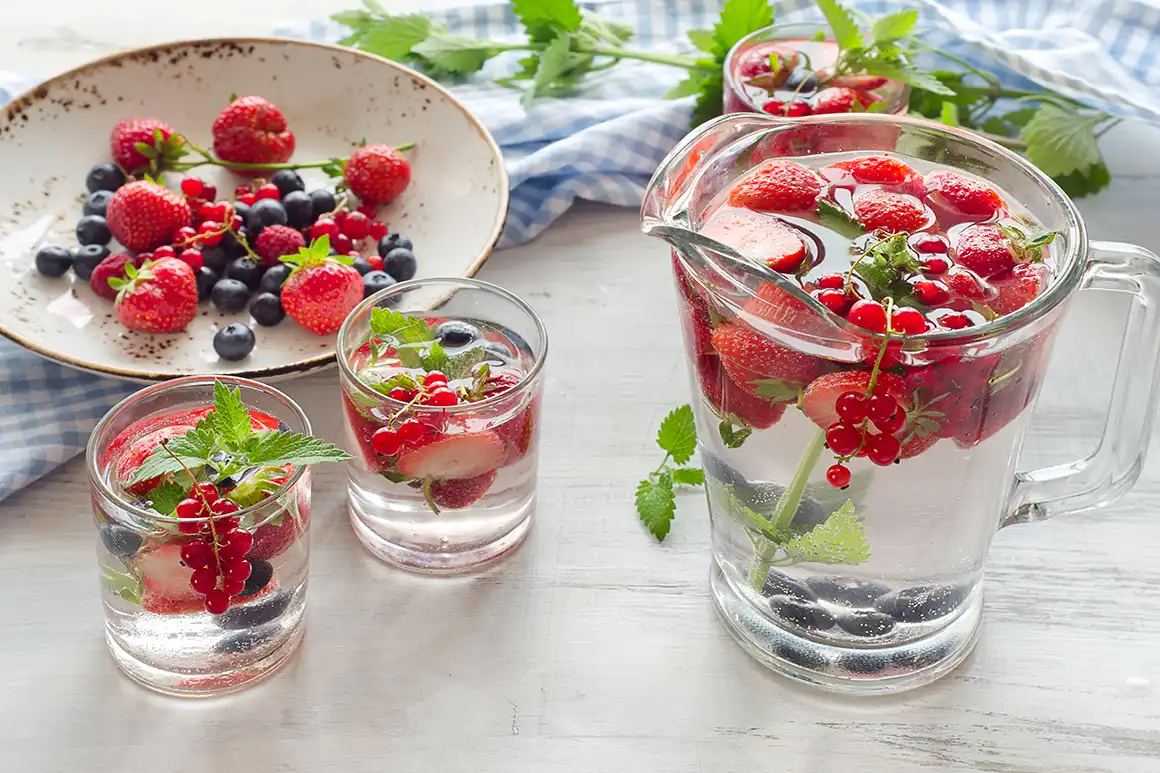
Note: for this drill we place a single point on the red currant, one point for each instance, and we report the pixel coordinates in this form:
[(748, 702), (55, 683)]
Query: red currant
[(851, 407), (370, 210), (442, 398), (233, 587), (217, 601), (224, 507), (356, 226), (214, 211), (955, 321), (236, 222), (248, 199), (831, 282), (235, 545), (880, 406), (208, 492), (323, 226), (192, 258), (936, 265), (191, 186), (883, 449), (930, 292), (378, 230), (211, 233), (412, 431), (208, 191), (798, 109), (196, 555), (339, 216), (908, 321), (433, 378), (189, 508), (386, 441), (838, 475), (225, 525), (834, 300), (184, 237), (237, 571), (843, 439), (376, 262), (896, 421), (868, 314), (268, 191), (203, 580), (341, 244), (241, 190), (400, 394), (164, 252), (929, 244)]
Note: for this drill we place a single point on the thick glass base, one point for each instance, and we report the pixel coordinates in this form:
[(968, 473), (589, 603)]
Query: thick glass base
[(441, 557), (202, 685), (846, 670)]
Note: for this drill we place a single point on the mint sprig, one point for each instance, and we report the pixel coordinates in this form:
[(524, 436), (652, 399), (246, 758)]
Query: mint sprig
[(656, 502)]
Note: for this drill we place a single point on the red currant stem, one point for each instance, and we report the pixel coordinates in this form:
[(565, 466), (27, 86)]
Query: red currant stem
[(427, 496), (413, 402), (786, 509), (208, 159), (860, 258), (888, 302), (242, 240), (212, 531)]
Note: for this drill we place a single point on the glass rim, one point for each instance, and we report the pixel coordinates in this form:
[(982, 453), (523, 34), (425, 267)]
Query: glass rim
[(466, 282), (145, 513)]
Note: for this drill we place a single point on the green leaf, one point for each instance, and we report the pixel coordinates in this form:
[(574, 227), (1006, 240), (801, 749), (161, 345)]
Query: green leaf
[(907, 74), (1061, 142), (703, 40), (710, 99), (462, 364), (273, 448), (435, 358), (842, 24), (678, 434), (447, 53), (598, 30), (738, 19), (257, 485), (1085, 182), (894, 26), (394, 477), (555, 62), (229, 419), (393, 37), (837, 219), (545, 19), (127, 586), (691, 84), (656, 504), (689, 476), (353, 19), (777, 391), (193, 449), (733, 436), (403, 332), (949, 114), (840, 539), (164, 498)]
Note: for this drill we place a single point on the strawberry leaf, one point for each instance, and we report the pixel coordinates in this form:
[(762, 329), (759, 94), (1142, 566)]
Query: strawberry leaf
[(777, 391)]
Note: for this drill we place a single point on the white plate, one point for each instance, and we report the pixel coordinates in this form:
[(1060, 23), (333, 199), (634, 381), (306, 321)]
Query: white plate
[(333, 97)]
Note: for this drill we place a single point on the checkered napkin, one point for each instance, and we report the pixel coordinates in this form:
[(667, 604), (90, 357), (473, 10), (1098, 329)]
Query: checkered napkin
[(604, 142)]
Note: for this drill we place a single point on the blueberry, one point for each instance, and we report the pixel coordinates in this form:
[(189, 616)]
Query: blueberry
[(800, 655), (216, 258), (230, 295), (258, 612), (260, 573), (93, 229), (283, 426), (801, 613), (454, 334), (865, 662), (393, 241), (231, 245), (374, 281), (921, 602), (299, 209), (98, 203), (264, 212), (802, 81), (235, 341), (104, 177), (206, 279), (846, 591), (247, 271), (86, 258), (120, 540), (287, 181), (274, 278), (54, 261), (361, 265), (244, 641), (779, 584), (498, 352), (400, 263), (266, 309), (242, 210), (322, 201), (863, 622)]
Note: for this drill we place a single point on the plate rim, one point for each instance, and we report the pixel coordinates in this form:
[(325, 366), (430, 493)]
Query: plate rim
[(20, 102)]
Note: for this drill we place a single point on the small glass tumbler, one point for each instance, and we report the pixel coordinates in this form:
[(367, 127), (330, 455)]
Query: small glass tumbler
[(156, 623), (442, 488)]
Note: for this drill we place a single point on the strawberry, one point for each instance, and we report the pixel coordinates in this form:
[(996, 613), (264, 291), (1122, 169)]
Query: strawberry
[(272, 540), (322, 289), (785, 249), (916, 444), (165, 577), (883, 170), (697, 323), (126, 134), (986, 250), (250, 130), (260, 421), (858, 82), (778, 186), (891, 212), (377, 174), (277, 240), (728, 399), (160, 297), (965, 283), (130, 434), (112, 267), (824, 391), (140, 449), (453, 457), (963, 195), (841, 99), (161, 605), (459, 493), (750, 357), (144, 215), (518, 432), (1024, 284), (363, 427)]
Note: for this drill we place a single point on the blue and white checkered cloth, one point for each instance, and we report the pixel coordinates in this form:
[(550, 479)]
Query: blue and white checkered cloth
[(603, 143)]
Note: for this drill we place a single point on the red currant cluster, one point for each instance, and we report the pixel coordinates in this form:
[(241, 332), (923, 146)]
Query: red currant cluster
[(347, 228), (218, 555), (432, 392), (851, 435), (211, 220)]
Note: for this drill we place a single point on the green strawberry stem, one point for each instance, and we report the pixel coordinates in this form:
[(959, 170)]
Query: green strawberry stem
[(208, 159), (786, 509)]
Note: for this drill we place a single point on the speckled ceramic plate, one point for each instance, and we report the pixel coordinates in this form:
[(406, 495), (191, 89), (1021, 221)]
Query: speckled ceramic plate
[(332, 97)]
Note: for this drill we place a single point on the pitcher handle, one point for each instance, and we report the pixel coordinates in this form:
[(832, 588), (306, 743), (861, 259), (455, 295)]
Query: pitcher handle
[(1112, 469)]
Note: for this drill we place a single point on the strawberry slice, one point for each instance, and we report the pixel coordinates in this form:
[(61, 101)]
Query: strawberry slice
[(784, 249), (519, 432), (130, 434), (696, 322), (1023, 285), (749, 357), (140, 450), (891, 212), (963, 195), (916, 445), (457, 494), (879, 170), (362, 427), (453, 457), (778, 186), (261, 421), (166, 578), (272, 540), (728, 399), (824, 391)]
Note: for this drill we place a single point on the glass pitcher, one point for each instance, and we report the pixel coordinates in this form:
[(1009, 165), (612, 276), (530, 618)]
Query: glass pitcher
[(876, 585)]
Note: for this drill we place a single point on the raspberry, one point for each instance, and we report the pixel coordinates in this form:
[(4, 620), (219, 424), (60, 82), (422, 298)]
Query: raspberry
[(276, 241)]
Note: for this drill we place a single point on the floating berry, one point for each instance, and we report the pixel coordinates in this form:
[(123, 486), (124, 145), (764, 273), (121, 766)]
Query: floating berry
[(237, 571), (324, 226), (189, 508), (883, 449), (192, 258), (908, 321), (208, 191), (400, 394), (412, 431), (896, 421), (268, 191), (377, 230), (868, 314), (936, 265), (203, 580), (955, 321), (442, 398), (211, 233), (386, 441), (356, 226), (831, 282), (930, 292), (192, 187), (217, 602), (196, 555), (843, 439), (929, 244), (851, 407), (235, 545), (433, 378), (838, 475), (834, 300), (880, 407), (224, 507), (164, 252)]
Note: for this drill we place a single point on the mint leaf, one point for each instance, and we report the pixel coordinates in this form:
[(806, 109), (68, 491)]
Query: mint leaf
[(435, 358), (394, 37), (692, 84), (678, 434), (1084, 182), (703, 40), (708, 104), (733, 436), (840, 539), (273, 448), (164, 498), (127, 586), (354, 19), (907, 74), (597, 30), (555, 62), (656, 504), (403, 333), (738, 19), (949, 114), (894, 26), (1062, 142), (230, 420), (193, 449), (462, 364), (837, 219), (689, 476), (545, 19), (777, 391), (447, 53), (842, 24), (255, 486)]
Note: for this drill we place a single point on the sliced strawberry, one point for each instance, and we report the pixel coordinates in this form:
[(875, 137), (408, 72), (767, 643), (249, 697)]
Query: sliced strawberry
[(778, 186), (841, 99), (749, 357), (456, 494), (891, 212), (966, 284), (162, 605), (728, 399), (140, 429), (824, 391), (879, 170), (785, 248), (916, 445), (140, 450), (453, 457), (271, 541), (165, 576), (1023, 285), (260, 421), (362, 427), (964, 195), (984, 249), (697, 324), (519, 432), (773, 304)]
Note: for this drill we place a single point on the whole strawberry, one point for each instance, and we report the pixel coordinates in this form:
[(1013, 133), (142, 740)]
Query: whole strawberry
[(160, 297), (778, 186), (276, 241), (112, 267), (322, 289), (252, 131), (144, 215), (150, 131), (377, 174)]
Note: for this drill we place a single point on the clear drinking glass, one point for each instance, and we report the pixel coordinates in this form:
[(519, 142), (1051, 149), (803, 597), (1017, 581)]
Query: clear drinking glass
[(901, 602), (157, 626), (461, 493)]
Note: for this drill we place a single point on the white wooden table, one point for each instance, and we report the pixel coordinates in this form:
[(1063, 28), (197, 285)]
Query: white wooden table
[(593, 648)]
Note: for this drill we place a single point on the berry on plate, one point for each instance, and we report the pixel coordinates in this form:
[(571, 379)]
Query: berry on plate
[(778, 186), (150, 131), (160, 297), (276, 241), (322, 289), (250, 130), (377, 173), (112, 267), (144, 215)]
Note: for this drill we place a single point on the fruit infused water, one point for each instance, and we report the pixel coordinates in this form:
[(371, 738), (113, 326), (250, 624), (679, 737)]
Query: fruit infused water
[(203, 511), (442, 411), (834, 464)]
